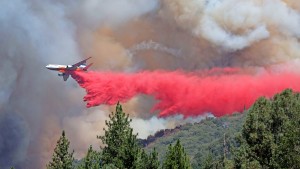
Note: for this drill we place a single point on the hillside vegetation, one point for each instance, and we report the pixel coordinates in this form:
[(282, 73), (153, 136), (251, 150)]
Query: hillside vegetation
[(264, 137), (200, 139)]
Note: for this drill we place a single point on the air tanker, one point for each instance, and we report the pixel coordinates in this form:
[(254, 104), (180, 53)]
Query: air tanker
[(66, 70)]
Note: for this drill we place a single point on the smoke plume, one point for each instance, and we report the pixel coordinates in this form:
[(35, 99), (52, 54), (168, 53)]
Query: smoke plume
[(161, 42), (35, 104)]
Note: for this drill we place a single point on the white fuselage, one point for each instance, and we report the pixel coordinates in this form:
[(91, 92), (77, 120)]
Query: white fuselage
[(64, 68)]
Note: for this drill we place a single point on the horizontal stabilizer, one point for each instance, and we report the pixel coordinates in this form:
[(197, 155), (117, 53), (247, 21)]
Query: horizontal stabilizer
[(86, 68)]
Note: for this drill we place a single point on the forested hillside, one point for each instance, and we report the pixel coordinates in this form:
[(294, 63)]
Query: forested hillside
[(200, 139), (265, 136)]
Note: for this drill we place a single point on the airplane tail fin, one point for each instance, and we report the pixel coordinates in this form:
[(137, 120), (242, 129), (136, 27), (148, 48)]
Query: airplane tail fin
[(88, 66)]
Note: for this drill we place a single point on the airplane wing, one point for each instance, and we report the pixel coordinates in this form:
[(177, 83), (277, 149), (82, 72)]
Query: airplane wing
[(83, 62)]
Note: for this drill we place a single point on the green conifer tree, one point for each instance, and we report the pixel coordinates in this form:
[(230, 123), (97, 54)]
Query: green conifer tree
[(145, 161), (176, 158), (142, 160), (121, 146), (109, 166), (91, 160), (61, 158), (208, 162), (153, 162), (270, 135)]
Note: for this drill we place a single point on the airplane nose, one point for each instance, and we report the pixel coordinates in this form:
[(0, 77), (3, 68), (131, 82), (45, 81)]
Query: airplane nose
[(48, 66)]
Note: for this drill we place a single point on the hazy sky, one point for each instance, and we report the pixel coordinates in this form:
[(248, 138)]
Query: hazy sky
[(125, 36)]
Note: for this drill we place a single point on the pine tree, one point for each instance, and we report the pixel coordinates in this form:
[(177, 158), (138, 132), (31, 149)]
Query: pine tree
[(109, 166), (91, 160), (176, 158), (61, 158), (145, 161), (153, 162), (208, 162), (121, 146), (142, 160), (270, 135)]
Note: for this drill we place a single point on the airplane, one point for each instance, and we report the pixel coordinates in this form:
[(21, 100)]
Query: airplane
[(66, 70)]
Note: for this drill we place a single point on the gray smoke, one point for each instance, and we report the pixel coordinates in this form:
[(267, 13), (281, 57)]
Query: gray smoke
[(35, 104), (151, 45), (14, 141), (32, 99)]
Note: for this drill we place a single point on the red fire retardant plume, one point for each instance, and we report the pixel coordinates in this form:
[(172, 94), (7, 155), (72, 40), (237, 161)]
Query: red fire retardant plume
[(184, 93)]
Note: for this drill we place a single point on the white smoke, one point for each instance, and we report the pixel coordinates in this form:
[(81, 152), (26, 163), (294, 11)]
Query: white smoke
[(85, 128), (35, 104), (277, 13), (97, 13), (233, 24), (151, 45), (144, 128)]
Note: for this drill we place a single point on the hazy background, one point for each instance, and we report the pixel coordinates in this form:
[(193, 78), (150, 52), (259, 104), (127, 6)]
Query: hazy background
[(128, 36)]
